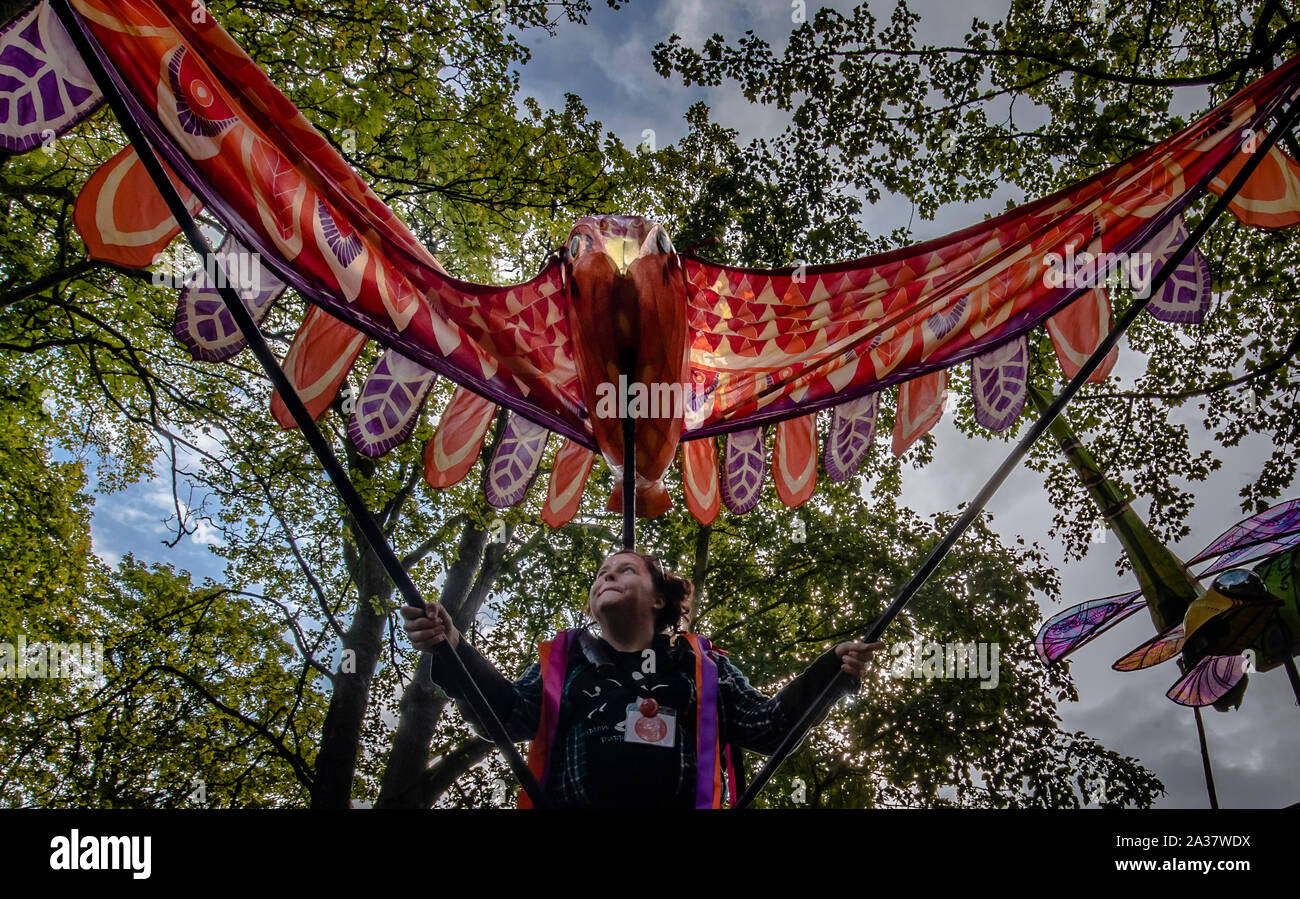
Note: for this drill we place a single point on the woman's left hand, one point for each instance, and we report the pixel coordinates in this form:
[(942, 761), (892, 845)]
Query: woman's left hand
[(854, 656)]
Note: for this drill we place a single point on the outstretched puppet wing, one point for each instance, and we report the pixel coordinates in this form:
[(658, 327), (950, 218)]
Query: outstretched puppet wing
[(769, 345), (774, 346), (766, 346)]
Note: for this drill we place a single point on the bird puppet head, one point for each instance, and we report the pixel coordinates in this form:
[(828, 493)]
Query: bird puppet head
[(627, 314)]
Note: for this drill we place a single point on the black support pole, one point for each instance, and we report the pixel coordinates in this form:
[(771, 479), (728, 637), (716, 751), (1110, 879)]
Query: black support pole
[(1205, 759), (1285, 122), (366, 523), (627, 365)]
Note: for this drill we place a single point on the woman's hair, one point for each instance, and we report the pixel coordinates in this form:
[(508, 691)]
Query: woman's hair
[(677, 591)]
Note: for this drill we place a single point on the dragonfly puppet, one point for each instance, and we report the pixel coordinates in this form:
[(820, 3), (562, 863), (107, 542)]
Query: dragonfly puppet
[(1247, 620)]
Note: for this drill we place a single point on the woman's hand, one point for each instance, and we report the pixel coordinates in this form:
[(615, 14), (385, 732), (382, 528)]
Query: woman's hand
[(429, 627), (854, 656)]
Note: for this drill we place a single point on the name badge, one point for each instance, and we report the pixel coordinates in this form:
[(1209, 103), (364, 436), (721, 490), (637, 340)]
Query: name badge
[(659, 729)]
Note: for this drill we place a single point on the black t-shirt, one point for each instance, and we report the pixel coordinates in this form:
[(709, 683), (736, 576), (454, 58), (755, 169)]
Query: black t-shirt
[(618, 773)]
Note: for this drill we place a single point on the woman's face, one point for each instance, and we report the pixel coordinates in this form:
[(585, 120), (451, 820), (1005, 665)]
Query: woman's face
[(623, 587)]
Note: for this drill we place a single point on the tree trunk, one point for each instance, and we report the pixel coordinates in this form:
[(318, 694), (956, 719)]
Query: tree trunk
[(341, 736), (700, 570), (404, 777), (437, 779), (422, 702), (408, 781)]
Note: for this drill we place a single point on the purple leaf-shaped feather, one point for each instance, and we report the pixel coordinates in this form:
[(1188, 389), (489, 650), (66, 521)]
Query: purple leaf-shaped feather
[(45, 88), (852, 431), (514, 465), (388, 407), (744, 464), (203, 323), (999, 384), (1185, 297)]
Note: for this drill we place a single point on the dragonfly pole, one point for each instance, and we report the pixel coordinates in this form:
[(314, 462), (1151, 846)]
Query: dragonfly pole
[(1205, 759)]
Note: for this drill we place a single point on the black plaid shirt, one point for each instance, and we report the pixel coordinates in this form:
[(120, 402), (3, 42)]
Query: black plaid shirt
[(589, 764)]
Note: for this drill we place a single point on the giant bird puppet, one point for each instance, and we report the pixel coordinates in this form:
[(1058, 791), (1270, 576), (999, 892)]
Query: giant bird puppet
[(748, 350)]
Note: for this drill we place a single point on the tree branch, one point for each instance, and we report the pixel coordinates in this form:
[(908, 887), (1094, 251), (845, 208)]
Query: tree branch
[(300, 769), (1292, 348), (45, 282)]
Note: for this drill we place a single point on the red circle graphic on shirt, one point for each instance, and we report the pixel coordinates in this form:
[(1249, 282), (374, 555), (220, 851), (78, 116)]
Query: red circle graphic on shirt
[(652, 730)]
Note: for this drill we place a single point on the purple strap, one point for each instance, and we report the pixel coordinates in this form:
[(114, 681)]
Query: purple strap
[(552, 687), (706, 740)]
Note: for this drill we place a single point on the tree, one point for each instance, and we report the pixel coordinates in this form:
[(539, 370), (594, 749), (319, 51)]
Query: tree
[(202, 703), (44, 511)]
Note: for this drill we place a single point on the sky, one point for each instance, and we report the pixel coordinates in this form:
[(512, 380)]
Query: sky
[(608, 64)]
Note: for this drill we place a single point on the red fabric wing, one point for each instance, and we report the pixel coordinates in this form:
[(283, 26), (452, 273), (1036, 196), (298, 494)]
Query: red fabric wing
[(319, 358), (122, 217), (455, 445)]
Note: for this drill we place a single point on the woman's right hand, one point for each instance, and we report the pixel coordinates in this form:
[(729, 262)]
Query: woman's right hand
[(429, 627)]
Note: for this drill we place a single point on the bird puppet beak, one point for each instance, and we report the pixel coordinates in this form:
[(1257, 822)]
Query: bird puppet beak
[(622, 251)]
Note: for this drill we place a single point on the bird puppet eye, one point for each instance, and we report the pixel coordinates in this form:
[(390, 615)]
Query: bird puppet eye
[(575, 246), (662, 243), (1239, 582)]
